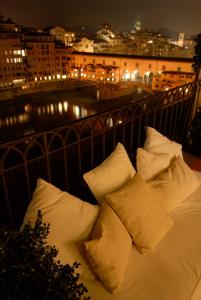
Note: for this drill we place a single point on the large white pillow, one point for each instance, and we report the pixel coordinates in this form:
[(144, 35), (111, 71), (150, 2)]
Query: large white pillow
[(158, 143), (109, 249), (111, 174), (175, 183), (151, 164), (71, 221), (138, 206)]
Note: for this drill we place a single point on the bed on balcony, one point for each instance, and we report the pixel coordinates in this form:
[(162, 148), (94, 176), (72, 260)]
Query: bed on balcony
[(118, 196)]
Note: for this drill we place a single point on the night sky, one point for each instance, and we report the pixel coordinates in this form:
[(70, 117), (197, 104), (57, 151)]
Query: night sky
[(176, 15)]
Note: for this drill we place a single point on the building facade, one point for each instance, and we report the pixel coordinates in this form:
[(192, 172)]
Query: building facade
[(32, 58), (129, 68)]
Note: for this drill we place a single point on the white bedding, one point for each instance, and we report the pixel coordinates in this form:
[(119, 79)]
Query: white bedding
[(173, 270)]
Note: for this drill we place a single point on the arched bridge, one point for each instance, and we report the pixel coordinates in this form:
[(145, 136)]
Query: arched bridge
[(108, 90)]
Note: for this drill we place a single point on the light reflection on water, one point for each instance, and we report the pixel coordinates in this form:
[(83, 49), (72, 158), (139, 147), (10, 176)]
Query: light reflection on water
[(20, 119), (46, 111)]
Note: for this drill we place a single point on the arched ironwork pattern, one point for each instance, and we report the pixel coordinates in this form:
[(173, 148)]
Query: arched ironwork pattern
[(64, 154)]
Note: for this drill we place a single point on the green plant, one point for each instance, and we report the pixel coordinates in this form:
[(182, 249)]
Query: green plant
[(28, 269)]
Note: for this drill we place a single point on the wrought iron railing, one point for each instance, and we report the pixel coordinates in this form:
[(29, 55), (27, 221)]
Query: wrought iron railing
[(63, 154)]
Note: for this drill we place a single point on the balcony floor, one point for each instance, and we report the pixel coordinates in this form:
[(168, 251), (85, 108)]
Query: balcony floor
[(193, 161)]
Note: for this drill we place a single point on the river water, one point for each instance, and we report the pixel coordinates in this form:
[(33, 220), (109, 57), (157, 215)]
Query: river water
[(37, 112)]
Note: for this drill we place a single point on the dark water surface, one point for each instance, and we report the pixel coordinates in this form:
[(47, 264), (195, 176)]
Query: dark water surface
[(37, 112)]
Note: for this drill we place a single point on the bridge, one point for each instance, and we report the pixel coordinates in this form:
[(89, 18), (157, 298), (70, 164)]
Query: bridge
[(108, 90)]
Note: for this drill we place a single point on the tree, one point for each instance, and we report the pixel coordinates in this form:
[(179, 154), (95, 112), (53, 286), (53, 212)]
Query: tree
[(197, 57)]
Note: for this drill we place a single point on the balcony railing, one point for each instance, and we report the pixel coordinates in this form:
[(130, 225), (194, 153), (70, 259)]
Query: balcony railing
[(63, 154)]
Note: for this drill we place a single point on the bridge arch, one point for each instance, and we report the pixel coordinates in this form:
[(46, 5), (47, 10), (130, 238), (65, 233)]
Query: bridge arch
[(148, 76)]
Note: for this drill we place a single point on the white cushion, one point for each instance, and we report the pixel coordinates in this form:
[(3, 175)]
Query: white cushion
[(111, 174), (158, 143), (175, 183), (138, 206), (109, 250), (71, 221), (151, 164)]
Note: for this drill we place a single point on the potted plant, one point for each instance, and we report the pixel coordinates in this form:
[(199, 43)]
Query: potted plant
[(28, 269)]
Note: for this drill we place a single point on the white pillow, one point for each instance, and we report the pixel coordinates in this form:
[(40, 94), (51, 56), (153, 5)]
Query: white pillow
[(71, 221), (151, 164), (111, 174), (175, 184), (109, 250), (138, 206), (158, 143)]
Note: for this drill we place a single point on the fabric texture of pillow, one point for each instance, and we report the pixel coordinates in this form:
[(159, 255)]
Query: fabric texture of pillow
[(158, 143), (71, 221), (175, 184), (139, 208), (151, 164), (111, 174), (108, 251)]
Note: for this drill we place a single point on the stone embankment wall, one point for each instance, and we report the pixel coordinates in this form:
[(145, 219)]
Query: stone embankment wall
[(47, 86)]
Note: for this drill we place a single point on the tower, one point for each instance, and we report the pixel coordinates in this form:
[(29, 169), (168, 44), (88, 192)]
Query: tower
[(181, 39), (137, 25)]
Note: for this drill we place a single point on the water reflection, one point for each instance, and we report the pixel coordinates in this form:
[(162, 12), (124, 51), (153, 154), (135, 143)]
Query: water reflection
[(21, 118), (31, 114)]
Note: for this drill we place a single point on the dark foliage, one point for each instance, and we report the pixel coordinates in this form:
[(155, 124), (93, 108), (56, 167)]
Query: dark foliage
[(197, 57), (28, 269), (195, 133)]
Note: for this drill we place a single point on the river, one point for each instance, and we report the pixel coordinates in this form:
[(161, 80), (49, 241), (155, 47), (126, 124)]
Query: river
[(37, 112)]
